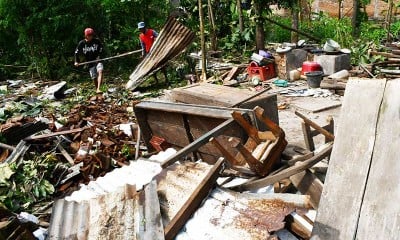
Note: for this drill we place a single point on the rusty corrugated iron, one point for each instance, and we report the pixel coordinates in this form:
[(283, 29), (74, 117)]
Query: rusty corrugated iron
[(173, 39)]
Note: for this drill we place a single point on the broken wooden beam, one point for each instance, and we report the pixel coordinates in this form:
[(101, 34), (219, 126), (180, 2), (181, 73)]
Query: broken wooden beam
[(6, 146), (191, 205), (18, 153), (334, 86), (199, 142), (308, 184), (66, 154), (327, 134), (285, 173), (232, 74), (54, 134)]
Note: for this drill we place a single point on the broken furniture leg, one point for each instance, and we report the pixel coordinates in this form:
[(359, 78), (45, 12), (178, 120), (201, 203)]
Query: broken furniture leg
[(286, 173), (327, 134), (272, 155), (254, 164), (309, 134), (250, 130), (231, 159)]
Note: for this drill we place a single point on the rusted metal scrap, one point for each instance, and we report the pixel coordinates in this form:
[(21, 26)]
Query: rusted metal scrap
[(16, 129), (231, 215)]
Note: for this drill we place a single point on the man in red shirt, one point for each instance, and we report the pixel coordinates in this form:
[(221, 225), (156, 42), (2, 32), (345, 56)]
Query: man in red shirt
[(91, 48), (147, 37)]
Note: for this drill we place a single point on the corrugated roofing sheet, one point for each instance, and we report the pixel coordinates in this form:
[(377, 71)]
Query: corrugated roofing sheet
[(236, 216), (172, 40), (123, 214)]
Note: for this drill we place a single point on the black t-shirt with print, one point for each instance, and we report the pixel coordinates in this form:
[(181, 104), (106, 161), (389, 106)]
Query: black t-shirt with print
[(91, 50)]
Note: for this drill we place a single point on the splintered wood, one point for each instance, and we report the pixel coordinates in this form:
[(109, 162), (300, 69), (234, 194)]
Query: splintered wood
[(354, 203)]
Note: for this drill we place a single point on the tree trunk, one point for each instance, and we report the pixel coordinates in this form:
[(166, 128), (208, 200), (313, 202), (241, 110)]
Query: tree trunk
[(240, 13), (355, 18), (376, 9), (203, 76), (295, 22), (213, 30), (260, 33), (340, 9), (389, 20)]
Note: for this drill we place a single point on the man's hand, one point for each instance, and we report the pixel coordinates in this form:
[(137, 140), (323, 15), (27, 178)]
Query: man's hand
[(76, 64)]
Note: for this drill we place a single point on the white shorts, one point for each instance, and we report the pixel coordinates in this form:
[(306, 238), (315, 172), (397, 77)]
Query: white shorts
[(95, 70)]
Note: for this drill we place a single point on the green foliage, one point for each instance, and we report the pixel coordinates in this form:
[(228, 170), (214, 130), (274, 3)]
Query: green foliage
[(277, 34), (325, 27), (44, 34), (26, 183), (372, 32)]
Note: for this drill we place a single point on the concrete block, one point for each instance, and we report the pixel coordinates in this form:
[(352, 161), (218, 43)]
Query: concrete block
[(333, 63), (294, 60)]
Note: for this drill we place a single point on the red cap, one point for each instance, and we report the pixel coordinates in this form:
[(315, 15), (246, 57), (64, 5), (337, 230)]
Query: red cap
[(89, 31)]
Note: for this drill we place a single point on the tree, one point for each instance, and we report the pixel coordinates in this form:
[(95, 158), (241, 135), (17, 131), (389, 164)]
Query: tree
[(259, 21)]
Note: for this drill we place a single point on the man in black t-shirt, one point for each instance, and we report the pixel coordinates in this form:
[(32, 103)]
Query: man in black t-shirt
[(91, 48)]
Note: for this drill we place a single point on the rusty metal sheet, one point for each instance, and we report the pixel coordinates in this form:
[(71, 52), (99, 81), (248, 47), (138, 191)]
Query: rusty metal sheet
[(230, 215), (173, 39)]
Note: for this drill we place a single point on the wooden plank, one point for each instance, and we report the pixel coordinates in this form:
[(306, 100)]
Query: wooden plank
[(233, 73), (341, 198), (268, 180), (54, 134), (150, 209), (307, 183), (193, 202), (199, 142), (379, 216), (190, 109), (66, 154)]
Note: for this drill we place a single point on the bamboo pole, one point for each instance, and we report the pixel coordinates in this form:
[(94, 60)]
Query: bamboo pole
[(202, 43), (109, 58)]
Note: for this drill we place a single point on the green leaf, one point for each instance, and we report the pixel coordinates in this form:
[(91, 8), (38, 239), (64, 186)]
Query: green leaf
[(5, 173)]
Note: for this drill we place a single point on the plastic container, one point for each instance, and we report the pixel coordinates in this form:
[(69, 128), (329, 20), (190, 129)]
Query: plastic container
[(264, 72), (314, 79), (310, 67), (294, 75)]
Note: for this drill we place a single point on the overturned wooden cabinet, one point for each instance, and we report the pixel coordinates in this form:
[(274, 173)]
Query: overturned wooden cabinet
[(216, 95)]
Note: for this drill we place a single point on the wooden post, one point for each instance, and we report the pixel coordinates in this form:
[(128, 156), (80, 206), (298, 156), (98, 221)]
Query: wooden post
[(389, 20), (240, 14), (295, 21), (260, 33), (307, 137), (213, 28), (203, 76)]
